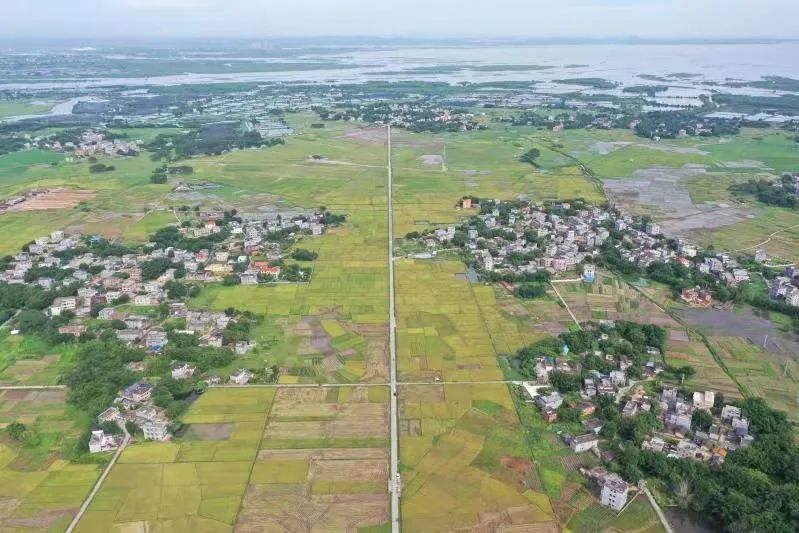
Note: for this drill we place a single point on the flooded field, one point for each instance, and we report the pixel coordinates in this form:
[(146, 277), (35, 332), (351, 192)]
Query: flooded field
[(757, 328)]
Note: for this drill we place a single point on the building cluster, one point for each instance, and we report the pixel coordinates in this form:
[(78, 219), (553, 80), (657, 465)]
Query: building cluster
[(93, 143), (681, 437), (728, 431), (562, 237), (556, 238), (134, 405), (413, 116), (87, 281), (103, 281), (786, 287), (107, 282)]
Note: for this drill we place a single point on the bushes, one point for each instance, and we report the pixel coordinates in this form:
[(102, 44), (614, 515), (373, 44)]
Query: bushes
[(530, 291), (99, 168), (530, 157), (301, 254), (15, 430)]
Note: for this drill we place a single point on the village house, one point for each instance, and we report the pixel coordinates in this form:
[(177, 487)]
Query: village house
[(155, 430), (613, 492), (100, 442), (109, 415), (697, 297), (551, 401), (60, 305), (583, 443), (241, 377), (244, 347), (184, 371), (138, 392), (704, 400)]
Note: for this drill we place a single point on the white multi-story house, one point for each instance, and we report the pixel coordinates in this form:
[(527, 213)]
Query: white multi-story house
[(100, 442), (155, 430), (583, 443), (69, 303), (242, 377), (183, 372), (614, 492)]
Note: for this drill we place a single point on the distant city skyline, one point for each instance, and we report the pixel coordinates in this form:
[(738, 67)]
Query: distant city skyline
[(536, 19)]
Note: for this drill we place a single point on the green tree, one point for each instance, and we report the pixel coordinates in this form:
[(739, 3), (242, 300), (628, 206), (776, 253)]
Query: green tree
[(15, 430), (701, 420), (530, 156)]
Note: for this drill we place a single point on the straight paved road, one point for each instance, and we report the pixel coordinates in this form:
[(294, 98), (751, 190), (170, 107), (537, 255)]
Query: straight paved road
[(90, 498), (348, 385), (32, 387), (394, 481)]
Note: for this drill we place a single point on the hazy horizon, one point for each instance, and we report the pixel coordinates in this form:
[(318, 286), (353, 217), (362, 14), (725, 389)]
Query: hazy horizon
[(541, 20)]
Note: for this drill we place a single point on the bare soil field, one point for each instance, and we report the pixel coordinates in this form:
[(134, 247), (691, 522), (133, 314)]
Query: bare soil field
[(662, 193), (399, 139), (55, 199)]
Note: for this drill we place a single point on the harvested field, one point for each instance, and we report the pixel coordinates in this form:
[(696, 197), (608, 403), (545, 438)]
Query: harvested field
[(467, 470), (55, 199), (310, 417), (323, 464), (210, 431), (192, 484), (291, 509)]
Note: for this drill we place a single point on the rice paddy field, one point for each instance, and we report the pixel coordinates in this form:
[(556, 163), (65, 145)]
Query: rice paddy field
[(483, 164), (687, 348), (40, 490), (610, 298), (466, 463), (322, 463), (195, 483), (464, 455), (299, 459), (20, 108), (442, 330), (760, 372), (473, 455)]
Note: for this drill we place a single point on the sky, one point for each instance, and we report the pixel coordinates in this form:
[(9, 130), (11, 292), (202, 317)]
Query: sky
[(48, 19)]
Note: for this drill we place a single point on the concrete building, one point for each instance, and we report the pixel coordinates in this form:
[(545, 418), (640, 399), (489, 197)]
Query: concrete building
[(614, 492), (100, 442), (155, 430), (583, 443)]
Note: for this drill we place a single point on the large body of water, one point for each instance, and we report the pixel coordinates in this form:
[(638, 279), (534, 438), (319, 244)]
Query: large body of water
[(619, 63)]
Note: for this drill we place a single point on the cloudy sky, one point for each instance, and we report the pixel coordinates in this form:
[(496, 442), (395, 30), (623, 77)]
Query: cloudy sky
[(414, 18)]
